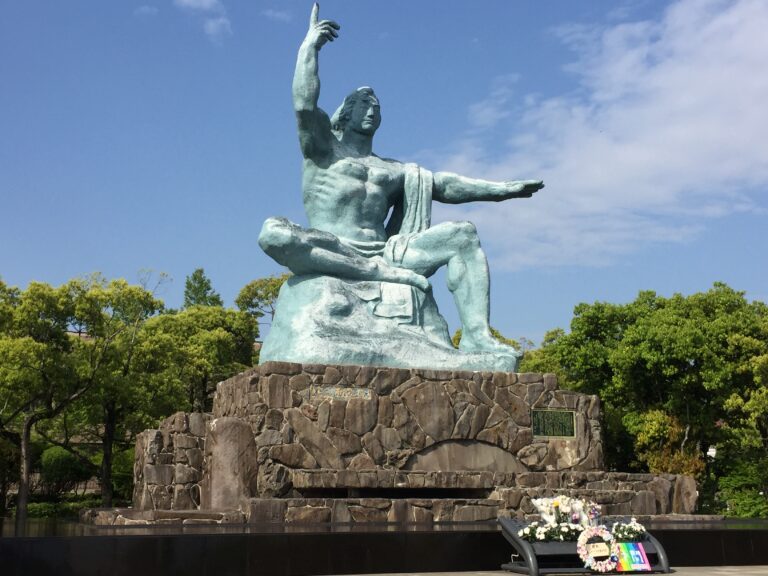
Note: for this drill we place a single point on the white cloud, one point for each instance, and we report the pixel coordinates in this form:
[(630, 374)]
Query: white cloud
[(666, 131), (216, 23), (217, 28), (202, 5), (145, 10), (277, 15), (496, 106)]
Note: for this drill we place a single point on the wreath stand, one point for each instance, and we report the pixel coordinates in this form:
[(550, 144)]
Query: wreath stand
[(536, 558)]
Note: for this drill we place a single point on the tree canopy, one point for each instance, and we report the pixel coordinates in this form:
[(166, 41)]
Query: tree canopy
[(56, 345), (96, 361), (258, 297), (678, 376), (194, 349), (198, 291)]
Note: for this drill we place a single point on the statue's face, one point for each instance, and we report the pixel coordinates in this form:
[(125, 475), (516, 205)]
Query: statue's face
[(365, 116)]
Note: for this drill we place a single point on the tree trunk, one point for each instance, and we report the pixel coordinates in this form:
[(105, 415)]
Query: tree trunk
[(3, 498), (13, 441), (24, 477), (110, 424), (199, 395)]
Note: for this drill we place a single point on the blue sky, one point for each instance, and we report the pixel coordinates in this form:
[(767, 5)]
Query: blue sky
[(159, 135)]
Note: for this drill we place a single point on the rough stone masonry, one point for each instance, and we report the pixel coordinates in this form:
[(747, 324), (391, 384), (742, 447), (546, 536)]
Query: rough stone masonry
[(314, 443)]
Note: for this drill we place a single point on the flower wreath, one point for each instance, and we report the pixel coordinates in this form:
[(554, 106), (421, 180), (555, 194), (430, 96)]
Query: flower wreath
[(589, 562)]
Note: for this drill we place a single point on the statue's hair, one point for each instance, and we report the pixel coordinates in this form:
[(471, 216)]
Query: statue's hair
[(341, 116)]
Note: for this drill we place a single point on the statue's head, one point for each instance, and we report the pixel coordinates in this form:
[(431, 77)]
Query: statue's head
[(359, 112)]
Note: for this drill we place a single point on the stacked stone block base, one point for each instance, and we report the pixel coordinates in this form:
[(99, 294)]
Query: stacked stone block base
[(501, 494), (294, 443)]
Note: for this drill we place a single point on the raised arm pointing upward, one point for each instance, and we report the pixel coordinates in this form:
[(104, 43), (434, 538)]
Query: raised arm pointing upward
[(314, 125)]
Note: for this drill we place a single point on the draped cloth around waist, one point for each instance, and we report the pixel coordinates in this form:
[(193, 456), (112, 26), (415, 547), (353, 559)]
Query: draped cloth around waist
[(410, 216)]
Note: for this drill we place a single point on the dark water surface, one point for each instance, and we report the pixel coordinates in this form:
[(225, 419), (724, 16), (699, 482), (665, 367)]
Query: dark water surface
[(52, 527), (68, 548), (40, 527), (49, 527)]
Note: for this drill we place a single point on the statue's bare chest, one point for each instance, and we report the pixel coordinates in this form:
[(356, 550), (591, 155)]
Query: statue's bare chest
[(373, 174), (361, 188)]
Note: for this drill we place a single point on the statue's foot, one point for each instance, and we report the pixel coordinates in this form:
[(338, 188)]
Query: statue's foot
[(408, 277), (486, 343), (388, 273)]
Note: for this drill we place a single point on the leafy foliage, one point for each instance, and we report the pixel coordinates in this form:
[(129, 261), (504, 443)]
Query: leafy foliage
[(198, 291), (192, 350), (63, 508), (62, 471), (41, 371), (92, 362), (657, 436), (122, 474), (258, 297), (677, 376), (115, 406), (546, 357), (9, 469), (743, 489)]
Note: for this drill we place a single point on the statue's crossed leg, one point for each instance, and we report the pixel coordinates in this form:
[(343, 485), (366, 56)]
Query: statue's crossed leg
[(312, 251)]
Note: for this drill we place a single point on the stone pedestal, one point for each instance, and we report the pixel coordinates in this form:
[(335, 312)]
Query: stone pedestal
[(314, 443), (353, 417)]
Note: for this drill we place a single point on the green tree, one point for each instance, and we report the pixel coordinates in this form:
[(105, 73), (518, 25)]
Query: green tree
[(677, 376), (742, 487), (258, 297), (119, 402), (118, 405), (39, 374), (741, 468), (123, 473), (198, 291), (61, 470), (686, 357), (56, 346), (9, 469), (546, 358), (38, 378), (196, 348)]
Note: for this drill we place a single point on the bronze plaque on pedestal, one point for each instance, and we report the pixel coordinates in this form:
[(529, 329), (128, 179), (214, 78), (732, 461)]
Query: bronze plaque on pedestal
[(554, 423)]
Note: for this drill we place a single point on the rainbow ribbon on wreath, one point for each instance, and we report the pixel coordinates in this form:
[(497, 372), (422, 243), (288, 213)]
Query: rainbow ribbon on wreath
[(632, 558)]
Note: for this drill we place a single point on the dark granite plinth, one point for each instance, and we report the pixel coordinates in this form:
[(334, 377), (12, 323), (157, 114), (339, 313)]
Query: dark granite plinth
[(276, 549)]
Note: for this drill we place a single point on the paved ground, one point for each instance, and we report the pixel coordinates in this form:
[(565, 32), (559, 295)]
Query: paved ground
[(680, 571)]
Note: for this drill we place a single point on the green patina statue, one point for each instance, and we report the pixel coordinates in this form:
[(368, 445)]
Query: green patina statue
[(360, 293)]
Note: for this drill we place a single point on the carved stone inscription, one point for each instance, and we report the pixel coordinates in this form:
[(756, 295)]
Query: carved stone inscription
[(558, 423), (316, 394)]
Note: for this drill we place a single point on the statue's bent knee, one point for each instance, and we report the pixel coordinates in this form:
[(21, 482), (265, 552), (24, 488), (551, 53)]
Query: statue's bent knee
[(465, 233), (275, 235)]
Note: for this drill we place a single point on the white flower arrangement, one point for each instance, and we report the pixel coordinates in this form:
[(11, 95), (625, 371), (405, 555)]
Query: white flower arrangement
[(566, 509), (631, 531), (564, 519), (562, 532)]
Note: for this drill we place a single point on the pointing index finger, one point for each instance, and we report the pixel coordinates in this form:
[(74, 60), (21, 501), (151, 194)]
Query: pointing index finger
[(313, 16)]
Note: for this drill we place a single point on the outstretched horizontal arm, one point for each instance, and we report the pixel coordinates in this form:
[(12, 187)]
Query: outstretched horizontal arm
[(455, 189)]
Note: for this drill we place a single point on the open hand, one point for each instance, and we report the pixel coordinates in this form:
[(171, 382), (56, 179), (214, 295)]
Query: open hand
[(321, 31), (522, 188)]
